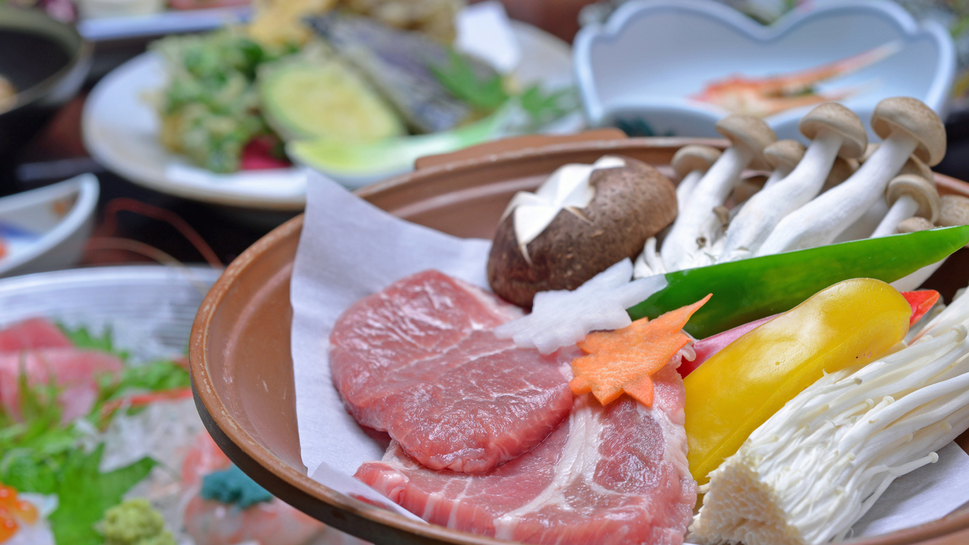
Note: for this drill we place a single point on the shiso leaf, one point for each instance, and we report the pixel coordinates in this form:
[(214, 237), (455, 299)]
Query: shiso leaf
[(562, 318), (84, 494), (567, 188)]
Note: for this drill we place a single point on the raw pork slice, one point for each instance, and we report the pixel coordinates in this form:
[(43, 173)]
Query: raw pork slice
[(419, 361), (609, 475), (75, 372)]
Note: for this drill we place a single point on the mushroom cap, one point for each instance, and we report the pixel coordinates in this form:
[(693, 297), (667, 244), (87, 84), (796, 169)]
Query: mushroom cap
[(912, 116), (913, 224), (868, 151), (920, 190), (694, 157), (953, 210), (784, 154), (841, 170), (835, 117), (914, 165), (631, 204), (749, 132)]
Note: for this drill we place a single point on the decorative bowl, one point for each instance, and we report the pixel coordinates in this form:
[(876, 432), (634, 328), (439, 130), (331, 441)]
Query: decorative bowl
[(640, 69)]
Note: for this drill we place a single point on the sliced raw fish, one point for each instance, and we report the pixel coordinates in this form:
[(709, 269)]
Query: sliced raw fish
[(608, 475), (419, 361), (74, 372), (32, 333)]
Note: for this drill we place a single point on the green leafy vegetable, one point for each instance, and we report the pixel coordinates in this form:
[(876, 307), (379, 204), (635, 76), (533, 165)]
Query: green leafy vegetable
[(33, 445), (83, 339), (487, 94), (459, 77), (544, 108), (152, 377), (84, 494)]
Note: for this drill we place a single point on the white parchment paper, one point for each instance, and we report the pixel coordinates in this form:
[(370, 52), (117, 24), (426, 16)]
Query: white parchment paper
[(350, 249)]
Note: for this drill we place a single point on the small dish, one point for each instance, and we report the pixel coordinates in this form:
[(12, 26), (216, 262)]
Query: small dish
[(240, 352), (639, 70), (46, 228)]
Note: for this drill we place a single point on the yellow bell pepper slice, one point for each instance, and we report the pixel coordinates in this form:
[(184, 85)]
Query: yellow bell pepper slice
[(739, 388)]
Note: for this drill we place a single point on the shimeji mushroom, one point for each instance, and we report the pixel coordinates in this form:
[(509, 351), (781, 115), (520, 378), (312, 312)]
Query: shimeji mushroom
[(913, 225), (691, 163), (783, 156), (841, 170), (864, 226), (696, 226), (908, 126), (915, 279), (834, 130), (908, 195), (953, 210), (746, 188)]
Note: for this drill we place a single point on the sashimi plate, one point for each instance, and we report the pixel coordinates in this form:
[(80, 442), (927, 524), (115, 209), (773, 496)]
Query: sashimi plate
[(149, 308), (240, 351)]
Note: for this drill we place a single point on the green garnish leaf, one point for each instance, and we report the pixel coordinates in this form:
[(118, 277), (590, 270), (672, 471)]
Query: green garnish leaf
[(151, 377), (458, 76), (544, 107), (84, 494), (83, 339)]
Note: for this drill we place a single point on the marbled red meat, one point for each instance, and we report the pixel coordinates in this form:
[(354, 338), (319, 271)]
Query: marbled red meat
[(419, 361), (608, 475)]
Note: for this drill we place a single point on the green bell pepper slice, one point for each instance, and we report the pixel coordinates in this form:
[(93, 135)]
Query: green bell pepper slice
[(753, 288)]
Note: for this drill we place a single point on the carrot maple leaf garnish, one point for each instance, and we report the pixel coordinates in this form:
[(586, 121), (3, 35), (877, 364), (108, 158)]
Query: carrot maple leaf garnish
[(624, 360)]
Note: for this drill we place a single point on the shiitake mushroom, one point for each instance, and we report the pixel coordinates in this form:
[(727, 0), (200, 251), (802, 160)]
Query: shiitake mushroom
[(631, 204)]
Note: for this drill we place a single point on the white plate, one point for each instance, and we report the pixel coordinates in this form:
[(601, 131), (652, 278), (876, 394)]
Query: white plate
[(649, 57), (46, 228), (120, 130)]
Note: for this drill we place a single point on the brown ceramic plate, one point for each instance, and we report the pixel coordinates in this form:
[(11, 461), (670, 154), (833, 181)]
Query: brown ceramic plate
[(240, 346)]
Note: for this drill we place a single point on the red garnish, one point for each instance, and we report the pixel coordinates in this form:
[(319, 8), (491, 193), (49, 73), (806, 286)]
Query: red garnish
[(258, 155)]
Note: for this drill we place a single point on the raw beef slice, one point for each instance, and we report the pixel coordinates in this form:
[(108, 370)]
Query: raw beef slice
[(419, 361), (608, 475)]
